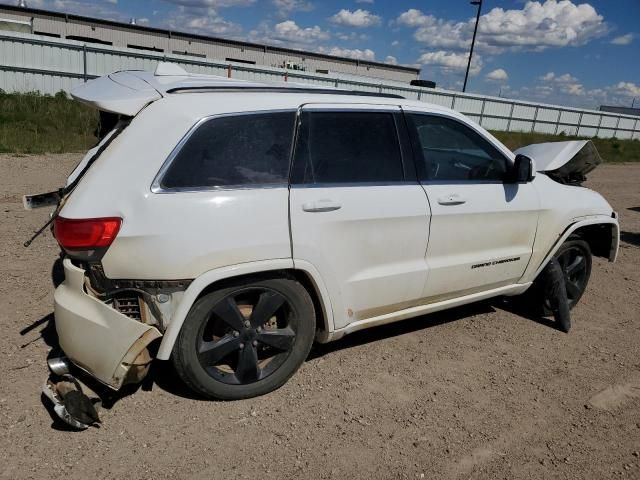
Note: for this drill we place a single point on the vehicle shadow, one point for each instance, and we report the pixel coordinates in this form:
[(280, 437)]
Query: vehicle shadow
[(403, 327), (635, 209), (164, 376), (631, 238), (517, 307)]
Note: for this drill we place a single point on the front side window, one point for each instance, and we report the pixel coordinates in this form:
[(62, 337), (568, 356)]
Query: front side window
[(451, 151), (347, 147), (235, 150)]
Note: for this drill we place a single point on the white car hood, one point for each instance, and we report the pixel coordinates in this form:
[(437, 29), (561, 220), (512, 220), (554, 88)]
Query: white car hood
[(567, 161)]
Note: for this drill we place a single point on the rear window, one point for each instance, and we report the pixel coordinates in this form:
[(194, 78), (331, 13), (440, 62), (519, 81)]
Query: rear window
[(234, 150)]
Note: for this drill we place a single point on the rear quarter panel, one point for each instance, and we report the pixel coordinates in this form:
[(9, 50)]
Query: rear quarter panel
[(168, 236)]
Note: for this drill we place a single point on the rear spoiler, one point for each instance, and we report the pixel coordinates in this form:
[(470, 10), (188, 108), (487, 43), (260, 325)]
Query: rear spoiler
[(123, 93)]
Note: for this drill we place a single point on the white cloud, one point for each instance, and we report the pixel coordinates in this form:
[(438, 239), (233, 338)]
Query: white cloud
[(93, 9), (623, 39), (288, 33), (450, 61), (212, 3), (391, 60), (552, 77), (285, 7), (498, 75), (565, 83), (364, 1), (569, 90), (627, 89), (289, 30), (358, 18), (352, 36), (414, 18), (537, 26), (201, 20), (356, 53)]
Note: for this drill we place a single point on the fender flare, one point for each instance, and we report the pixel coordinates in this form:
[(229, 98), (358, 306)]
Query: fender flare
[(196, 287), (595, 220)]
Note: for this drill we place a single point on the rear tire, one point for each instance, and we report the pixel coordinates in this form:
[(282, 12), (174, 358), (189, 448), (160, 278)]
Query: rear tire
[(246, 339)]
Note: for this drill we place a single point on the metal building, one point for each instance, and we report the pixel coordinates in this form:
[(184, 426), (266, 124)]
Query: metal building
[(107, 32)]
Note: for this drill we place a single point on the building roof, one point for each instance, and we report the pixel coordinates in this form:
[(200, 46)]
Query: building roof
[(169, 33)]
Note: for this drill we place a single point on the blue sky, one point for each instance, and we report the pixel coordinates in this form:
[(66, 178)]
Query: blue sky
[(574, 52)]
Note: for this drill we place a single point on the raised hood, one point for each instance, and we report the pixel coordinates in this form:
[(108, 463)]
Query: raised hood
[(567, 162), (124, 93)]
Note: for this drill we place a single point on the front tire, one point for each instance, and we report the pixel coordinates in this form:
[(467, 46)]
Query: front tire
[(575, 259), (245, 339)]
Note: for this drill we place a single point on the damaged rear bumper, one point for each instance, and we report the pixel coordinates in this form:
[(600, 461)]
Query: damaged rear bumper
[(97, 338)]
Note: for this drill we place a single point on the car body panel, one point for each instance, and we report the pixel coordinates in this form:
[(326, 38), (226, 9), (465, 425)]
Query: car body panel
[(372, 248), (486, 240), (579, 204), (95, 336)]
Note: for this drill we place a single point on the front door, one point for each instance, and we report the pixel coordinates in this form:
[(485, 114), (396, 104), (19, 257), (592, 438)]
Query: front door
[(482, 229), (357, 212)]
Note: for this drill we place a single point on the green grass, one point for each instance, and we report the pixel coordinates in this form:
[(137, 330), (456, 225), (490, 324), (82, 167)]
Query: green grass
[(34, 123), (612, 150)]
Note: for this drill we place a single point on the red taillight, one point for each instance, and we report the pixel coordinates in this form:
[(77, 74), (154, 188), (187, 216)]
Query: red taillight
[(86, 233)]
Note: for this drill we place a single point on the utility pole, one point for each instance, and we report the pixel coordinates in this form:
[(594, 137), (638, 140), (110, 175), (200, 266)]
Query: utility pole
[(473, 42)]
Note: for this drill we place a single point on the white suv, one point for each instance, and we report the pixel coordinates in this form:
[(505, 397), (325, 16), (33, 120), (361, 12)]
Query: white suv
[(236, 222)]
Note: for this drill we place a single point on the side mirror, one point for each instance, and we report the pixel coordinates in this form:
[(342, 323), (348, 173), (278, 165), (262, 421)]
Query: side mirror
[(523, 170)]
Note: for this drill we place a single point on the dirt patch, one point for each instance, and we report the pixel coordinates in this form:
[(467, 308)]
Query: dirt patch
[(476, 392)]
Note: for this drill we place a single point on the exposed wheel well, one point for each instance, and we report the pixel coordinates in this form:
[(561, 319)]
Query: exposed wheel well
[(300, 276), (599, 237)]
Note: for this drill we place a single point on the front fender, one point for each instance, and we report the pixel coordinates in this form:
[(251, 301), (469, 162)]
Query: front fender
[(534, 270), (196, 287)]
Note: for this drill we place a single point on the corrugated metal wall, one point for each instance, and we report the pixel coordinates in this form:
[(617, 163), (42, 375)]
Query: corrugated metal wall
[(33, 63), (120, 35)]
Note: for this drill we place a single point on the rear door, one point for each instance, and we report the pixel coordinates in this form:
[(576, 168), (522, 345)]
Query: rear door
[(482, 228), (358, 214)]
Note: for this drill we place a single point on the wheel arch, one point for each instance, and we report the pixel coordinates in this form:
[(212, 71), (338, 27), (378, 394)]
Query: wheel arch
[(601, 233), (213, 279)]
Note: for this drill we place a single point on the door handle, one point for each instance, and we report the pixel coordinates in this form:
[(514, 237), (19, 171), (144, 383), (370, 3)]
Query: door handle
[(452, 199), (321, 206)]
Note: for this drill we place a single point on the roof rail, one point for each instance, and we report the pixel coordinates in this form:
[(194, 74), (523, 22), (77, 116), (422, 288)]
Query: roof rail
[(323, 91)]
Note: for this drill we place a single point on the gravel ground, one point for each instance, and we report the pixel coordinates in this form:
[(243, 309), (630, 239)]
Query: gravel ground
[(476, 392)]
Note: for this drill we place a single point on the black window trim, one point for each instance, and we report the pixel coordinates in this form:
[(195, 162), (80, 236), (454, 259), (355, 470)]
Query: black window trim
[(415, 144), (156, 185), (402, 137)]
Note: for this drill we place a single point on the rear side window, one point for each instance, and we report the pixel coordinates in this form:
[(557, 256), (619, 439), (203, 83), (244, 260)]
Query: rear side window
[(235, 150), (347, 147)]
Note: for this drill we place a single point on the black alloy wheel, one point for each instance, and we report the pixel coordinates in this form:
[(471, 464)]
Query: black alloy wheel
[(573, 262), (574, 257), (248, 336), (247, 339)]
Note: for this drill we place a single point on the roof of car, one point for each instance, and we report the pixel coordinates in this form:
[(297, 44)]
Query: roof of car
[(127, 92)]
